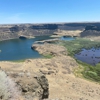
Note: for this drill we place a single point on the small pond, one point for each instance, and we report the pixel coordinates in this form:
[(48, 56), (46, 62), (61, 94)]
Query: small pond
[(91, 56)]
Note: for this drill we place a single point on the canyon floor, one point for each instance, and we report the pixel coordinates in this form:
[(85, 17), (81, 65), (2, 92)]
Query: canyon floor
[(62, 83)]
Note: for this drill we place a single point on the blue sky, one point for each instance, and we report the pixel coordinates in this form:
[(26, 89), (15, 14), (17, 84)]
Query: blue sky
[(49, 11)]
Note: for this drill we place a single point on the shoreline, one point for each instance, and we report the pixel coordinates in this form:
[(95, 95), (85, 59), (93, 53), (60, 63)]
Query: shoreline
[(28, 37), (15, 38)]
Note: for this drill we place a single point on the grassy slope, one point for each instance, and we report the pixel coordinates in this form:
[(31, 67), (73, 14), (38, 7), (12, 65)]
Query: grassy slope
[(88, 71)]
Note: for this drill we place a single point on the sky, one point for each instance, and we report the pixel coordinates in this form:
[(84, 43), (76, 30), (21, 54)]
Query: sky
[(49, 11)]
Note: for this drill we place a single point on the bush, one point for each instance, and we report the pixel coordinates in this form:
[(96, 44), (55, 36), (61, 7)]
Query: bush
[(92, 74), (8, 89)]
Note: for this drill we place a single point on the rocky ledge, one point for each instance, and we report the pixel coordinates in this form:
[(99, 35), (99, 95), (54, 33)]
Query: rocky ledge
[(23, 85), (46, 41), (92, 32), (52, 49)]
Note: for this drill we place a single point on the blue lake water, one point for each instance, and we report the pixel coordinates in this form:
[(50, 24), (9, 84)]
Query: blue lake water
[(91, 56), (20, 49)]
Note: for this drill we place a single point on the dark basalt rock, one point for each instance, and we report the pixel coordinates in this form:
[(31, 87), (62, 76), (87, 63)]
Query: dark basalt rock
[(33, 47), (14, 28), (45, 26), (92, 27), (31, 84), (22, 37), (90, 31), (42, 80)]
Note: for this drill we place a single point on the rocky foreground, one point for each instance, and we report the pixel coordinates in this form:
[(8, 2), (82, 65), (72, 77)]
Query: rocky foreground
[(50, 79)]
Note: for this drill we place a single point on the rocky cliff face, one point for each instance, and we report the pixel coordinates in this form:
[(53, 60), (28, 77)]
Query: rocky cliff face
[(91, 31), (27, 30), (31, 30), (31, 85)]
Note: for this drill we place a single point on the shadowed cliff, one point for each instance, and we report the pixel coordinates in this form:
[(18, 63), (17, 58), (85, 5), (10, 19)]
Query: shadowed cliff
[(12, 31), (91, 31)]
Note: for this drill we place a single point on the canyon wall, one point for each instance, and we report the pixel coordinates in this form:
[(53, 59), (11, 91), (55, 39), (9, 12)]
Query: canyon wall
[(12, 31)]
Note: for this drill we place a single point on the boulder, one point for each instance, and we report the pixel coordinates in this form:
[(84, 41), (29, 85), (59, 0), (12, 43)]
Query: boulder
[(43, 82), (32, 85)]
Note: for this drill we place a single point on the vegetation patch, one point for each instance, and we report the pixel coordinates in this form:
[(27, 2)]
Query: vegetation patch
[(88, 71), (48, 56), (84, 70), (77, 45)]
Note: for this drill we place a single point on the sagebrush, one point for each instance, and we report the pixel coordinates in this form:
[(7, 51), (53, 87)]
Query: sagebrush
[(8, 89)]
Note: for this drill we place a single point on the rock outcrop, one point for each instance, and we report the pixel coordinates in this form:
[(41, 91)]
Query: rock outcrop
[(27, 30), (23, 85), (91, 31), (31, 30), (8, 88), (43, 82), (50, 49), (32, 85), (47, 41)]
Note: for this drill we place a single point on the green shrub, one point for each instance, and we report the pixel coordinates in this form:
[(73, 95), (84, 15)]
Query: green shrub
[(92, 74), (76, 45)]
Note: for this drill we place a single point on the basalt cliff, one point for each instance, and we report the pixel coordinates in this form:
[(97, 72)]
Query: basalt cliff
[(30, 30), (92, 32)]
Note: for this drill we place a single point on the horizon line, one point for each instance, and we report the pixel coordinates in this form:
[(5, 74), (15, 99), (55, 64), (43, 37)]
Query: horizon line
[(52, 22)]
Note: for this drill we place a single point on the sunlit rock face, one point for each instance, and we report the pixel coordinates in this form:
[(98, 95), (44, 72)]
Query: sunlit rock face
[(12, 31), (27, 30)]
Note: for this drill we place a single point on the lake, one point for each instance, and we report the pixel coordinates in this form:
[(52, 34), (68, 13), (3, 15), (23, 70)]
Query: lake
[(20, 49), (91, 56)]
